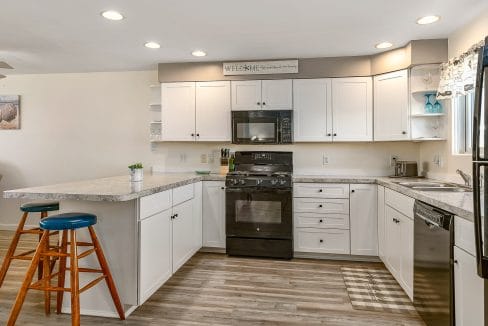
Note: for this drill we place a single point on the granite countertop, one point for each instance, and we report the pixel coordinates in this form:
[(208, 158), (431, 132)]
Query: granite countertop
[(110, 189), (121, 189), (458, 203)]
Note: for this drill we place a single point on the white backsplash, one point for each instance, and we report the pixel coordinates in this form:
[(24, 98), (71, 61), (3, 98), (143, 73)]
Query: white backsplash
[(343, 158)]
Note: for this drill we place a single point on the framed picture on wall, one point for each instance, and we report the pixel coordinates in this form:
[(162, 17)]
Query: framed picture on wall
[(9, 112)]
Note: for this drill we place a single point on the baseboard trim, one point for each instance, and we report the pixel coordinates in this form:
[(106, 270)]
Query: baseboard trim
[(13, 227), (314, 255), (213, 250)]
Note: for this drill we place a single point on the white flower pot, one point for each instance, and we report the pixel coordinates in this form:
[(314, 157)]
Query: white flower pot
[(136, 175)]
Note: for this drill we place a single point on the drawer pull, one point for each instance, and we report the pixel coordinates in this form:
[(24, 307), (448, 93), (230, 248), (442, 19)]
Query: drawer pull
[(320, 221), (321, 241), (320, 190), (320, 206)]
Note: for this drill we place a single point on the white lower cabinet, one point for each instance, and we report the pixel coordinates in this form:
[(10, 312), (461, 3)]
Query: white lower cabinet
[(468, 290), (183, 242), (167, 238), (213, 205), (155, 253), (381, 223), (364, 217), (331, 241), (399, 248), (321, 218)]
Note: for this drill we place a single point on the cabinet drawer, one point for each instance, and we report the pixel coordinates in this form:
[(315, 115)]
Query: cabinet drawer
[(321, 205), (400, 202), (464, 235), (182, 194), (155, 203), (321, 190), (332, 241), (323, 221)]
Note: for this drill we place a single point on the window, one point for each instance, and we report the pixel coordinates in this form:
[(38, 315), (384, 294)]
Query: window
[(463, 123)]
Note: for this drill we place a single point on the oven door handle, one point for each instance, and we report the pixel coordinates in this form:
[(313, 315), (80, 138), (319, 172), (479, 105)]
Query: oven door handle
[(247, 188)]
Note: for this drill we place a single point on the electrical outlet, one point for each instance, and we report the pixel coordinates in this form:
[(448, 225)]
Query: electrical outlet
[(211, 158), (393, 159), (182, 157), (325, 159), (203, 158)]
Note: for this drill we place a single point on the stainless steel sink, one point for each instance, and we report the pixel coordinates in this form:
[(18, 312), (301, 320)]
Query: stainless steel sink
[(434, 186)]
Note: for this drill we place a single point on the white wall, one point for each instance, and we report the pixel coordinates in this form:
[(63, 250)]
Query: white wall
[(459, 41), (83, 126)]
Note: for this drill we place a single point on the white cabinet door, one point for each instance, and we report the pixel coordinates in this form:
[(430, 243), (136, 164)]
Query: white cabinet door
[(155, 250), (213, 111), (183, 241), (352, 109), (406, 254), (391, 106), (312, 110), (393, 241), (178, 111), (277, 94), (468, 290), (246, 95), (381, 224), (197, 217), (214, 214), (364, 217)]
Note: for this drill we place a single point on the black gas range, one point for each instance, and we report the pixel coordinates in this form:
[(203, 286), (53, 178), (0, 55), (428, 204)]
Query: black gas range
[(259, 214)]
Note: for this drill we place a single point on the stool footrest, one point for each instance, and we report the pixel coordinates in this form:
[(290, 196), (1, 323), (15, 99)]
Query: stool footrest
[(54, 254), (51, 288), (86, 270), (31, 231), (81, 244), (92, 283), (40, 283), (86, 253)]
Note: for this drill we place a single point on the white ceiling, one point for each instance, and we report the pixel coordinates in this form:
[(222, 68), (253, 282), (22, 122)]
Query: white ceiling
[(70, 36)]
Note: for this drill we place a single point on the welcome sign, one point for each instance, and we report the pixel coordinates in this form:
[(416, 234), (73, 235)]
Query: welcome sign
[(260, 67)]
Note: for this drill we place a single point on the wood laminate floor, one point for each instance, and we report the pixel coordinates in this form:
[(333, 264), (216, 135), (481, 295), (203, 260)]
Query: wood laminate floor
[(213, 289)]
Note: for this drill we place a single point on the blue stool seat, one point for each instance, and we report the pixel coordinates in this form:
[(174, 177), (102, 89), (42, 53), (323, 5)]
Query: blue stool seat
[(68, 221), (37, 207)]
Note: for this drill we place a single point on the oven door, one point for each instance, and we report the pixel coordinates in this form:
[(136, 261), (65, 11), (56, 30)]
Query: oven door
[(255, 127), (259, 213)]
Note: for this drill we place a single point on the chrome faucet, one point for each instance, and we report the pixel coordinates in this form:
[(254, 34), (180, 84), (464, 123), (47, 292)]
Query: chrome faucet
[(466, 177)]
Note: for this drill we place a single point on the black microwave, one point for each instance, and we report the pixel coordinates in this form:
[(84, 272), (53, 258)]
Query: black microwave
[(262, 127)]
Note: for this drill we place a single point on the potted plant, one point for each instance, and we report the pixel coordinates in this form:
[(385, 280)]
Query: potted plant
[(136, 172)]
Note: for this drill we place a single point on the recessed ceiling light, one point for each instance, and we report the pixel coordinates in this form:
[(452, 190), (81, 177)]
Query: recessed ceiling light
[(112, 15), (198, 53), (427, 20), (383, 45), (152, 45)]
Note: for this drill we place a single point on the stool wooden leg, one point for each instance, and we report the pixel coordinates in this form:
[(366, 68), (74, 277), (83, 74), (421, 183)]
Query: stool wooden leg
[(75, 286), (47, 280), (41, 265), (11, 249), (106, 272), (14, 313), (62, 271)]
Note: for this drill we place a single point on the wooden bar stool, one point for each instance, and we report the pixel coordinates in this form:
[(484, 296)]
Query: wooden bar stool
[(66, 222), (34, 207)]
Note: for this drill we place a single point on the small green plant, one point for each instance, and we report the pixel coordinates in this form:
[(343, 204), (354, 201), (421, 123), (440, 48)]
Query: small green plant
[(135, 166)]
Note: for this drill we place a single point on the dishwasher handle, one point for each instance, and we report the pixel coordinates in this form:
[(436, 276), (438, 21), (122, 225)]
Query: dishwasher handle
[(427, 221)]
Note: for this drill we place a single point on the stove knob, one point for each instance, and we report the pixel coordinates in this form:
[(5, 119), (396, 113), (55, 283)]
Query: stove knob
[(235, 181), (282, 182), (259, 181), (274, 182), (243, 182)]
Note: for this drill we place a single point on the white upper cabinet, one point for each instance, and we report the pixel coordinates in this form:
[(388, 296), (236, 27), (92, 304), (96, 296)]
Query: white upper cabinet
[(178, 111), (312, 110), (212, 111), (246, 95), (265, 94), (352, 109), (277, 94), (391, 106), (363, 210)]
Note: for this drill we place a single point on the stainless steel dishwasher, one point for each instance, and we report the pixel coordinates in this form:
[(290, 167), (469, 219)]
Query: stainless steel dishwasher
[(433, 290)]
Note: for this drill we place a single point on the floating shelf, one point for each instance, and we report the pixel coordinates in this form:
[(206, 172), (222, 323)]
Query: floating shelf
[(428, 139), (155, 122), (420, 115), (424, 91)]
